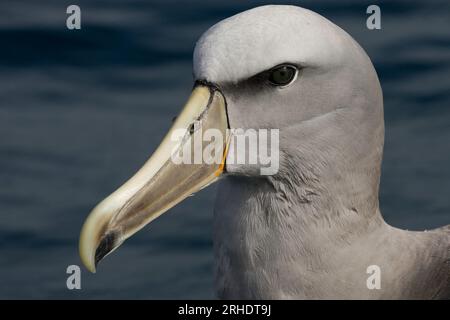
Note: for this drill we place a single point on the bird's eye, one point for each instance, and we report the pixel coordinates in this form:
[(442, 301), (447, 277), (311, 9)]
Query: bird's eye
[(282, 75)]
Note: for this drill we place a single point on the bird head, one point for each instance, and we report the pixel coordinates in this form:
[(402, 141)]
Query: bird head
[(272, 67)]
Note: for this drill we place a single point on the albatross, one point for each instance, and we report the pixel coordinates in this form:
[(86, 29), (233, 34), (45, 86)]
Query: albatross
[(312, 229)]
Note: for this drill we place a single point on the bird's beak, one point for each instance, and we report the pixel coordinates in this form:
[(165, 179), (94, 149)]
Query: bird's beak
[(162, 182)]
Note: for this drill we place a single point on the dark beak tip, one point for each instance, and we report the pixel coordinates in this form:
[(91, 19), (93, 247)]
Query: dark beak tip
[(107, 244)]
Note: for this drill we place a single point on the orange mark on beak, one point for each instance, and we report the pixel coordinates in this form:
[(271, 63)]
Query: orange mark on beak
[(222, 164)]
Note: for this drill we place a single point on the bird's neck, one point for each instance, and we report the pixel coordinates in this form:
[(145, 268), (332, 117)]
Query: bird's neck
[(288, 225), (333, 197), (302, 209), (275, 238)]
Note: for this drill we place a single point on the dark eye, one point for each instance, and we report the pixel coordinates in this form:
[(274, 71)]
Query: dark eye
[(282, 75)]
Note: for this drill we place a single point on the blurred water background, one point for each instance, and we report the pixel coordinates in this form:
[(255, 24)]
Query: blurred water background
[(80, 111)]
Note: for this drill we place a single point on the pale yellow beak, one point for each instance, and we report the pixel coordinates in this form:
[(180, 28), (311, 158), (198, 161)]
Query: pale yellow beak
[(162, 182)]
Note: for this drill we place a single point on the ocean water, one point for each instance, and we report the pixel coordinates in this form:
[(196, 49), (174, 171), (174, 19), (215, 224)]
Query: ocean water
[(80, 111)]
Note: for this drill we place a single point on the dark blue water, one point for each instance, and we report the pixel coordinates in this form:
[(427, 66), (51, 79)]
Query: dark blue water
[(80, 111)]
